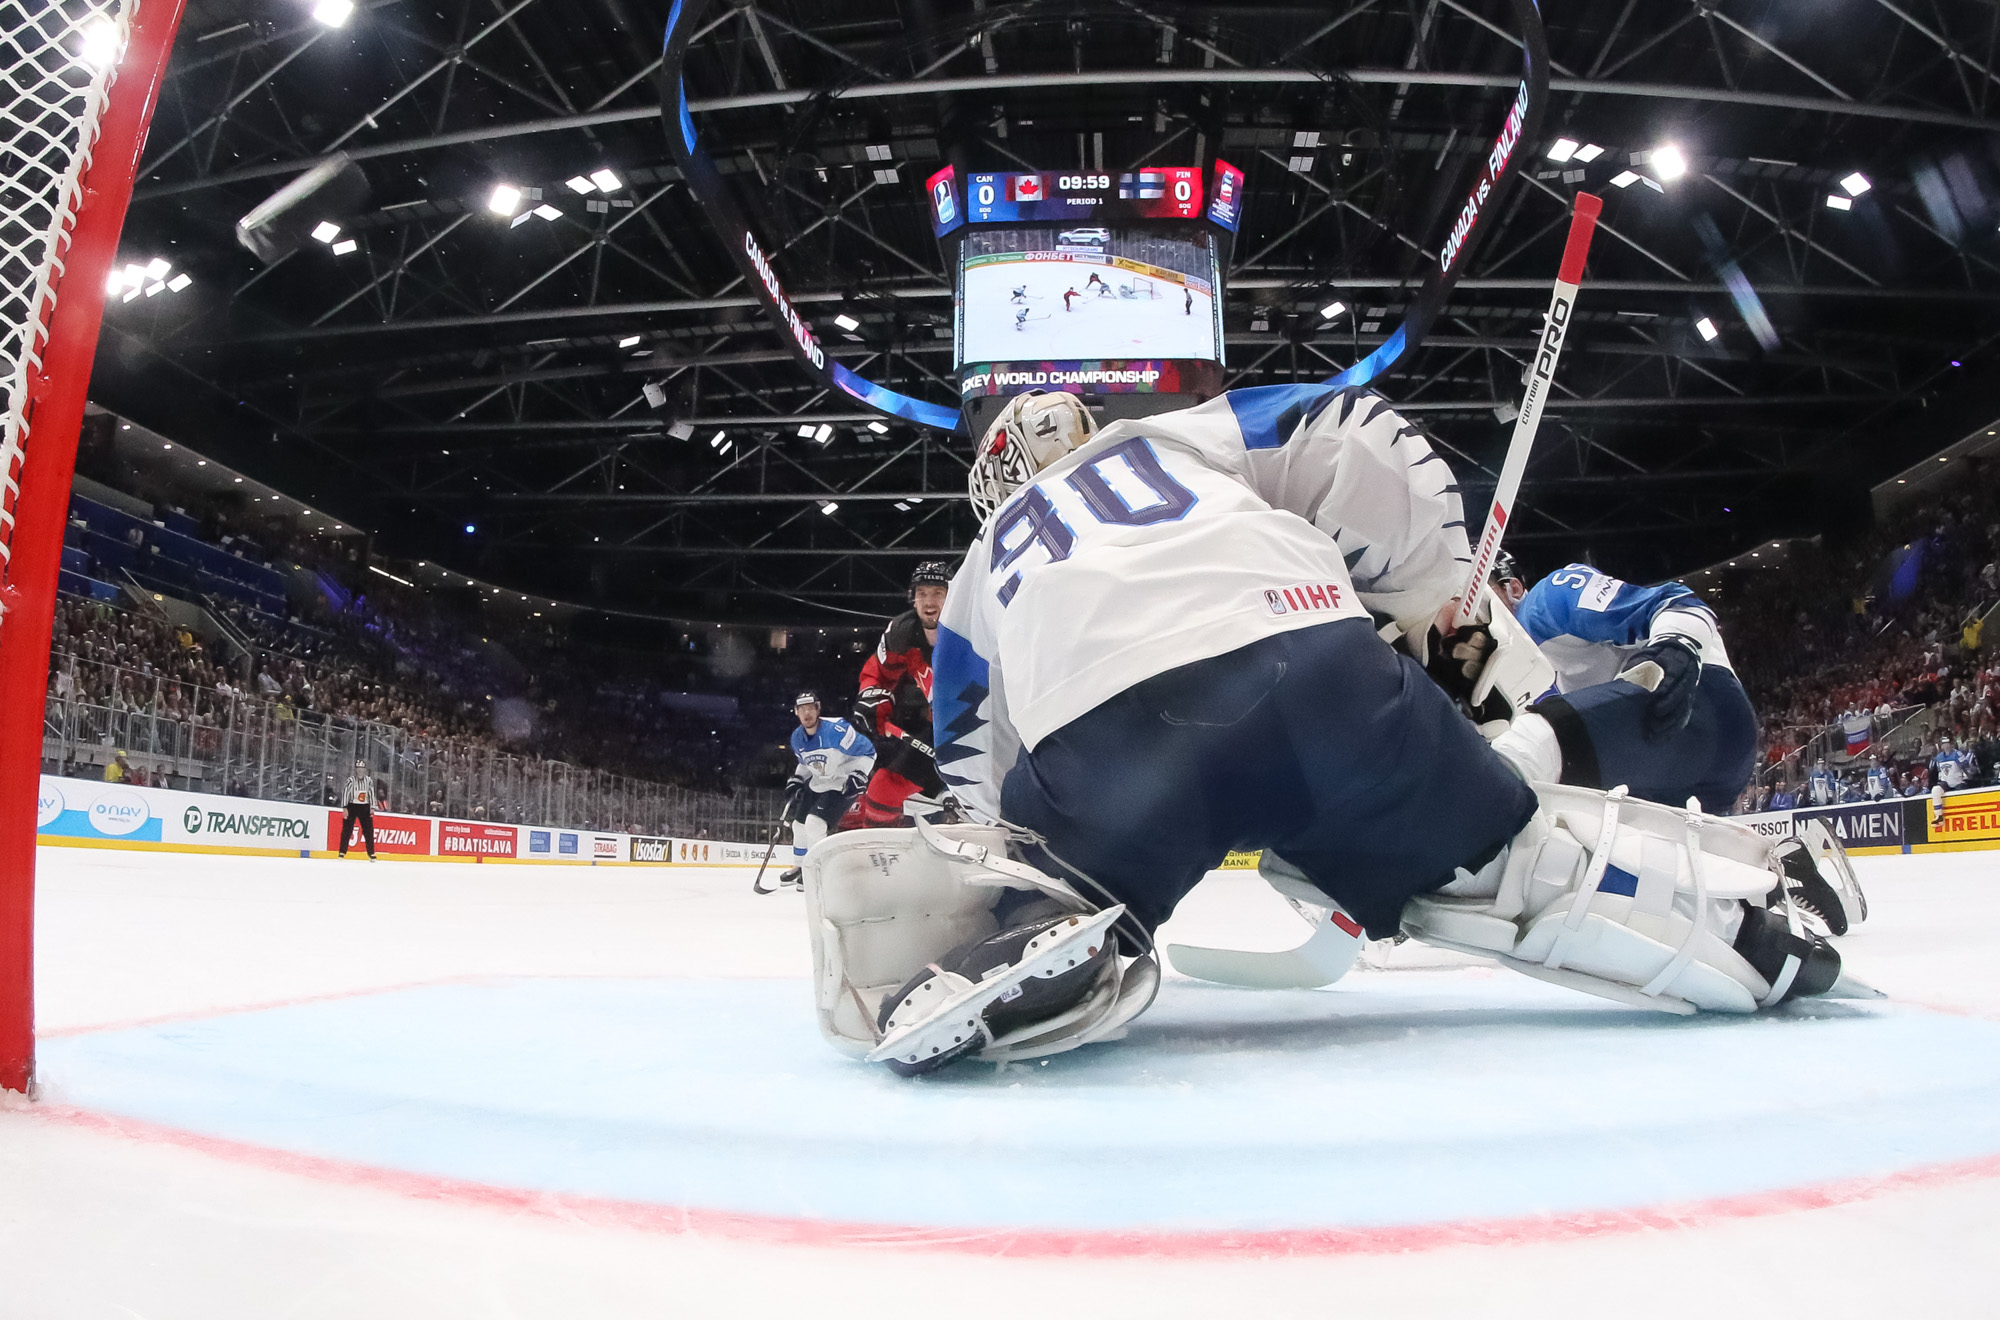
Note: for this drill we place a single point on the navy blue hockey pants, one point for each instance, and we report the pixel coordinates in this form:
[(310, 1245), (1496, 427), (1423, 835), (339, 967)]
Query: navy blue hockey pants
[(1601, 731), (1323, 744)]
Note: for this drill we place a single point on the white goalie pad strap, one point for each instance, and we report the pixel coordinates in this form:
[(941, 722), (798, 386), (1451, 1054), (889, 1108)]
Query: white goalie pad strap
[(1660, 936)]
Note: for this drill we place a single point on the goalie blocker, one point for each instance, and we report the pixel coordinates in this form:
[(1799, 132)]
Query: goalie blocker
[(932, 944)]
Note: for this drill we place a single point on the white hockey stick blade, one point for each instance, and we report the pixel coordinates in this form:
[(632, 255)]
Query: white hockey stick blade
[(1326, 956), (1848, 987), (949, 1023)]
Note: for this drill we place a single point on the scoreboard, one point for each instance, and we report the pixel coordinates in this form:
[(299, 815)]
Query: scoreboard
[(1161, 194)]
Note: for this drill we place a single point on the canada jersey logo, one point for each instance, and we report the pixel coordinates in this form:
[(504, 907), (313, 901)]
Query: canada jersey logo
[(1303, 598)]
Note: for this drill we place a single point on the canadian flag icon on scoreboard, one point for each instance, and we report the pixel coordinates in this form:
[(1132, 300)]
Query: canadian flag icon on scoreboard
[(1026, 187)]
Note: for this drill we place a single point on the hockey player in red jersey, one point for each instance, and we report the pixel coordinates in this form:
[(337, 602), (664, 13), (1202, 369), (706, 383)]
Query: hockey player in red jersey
[(894, 705)]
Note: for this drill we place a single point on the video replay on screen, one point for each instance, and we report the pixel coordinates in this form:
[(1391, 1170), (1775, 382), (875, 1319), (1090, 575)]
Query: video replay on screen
[(1086, 293)]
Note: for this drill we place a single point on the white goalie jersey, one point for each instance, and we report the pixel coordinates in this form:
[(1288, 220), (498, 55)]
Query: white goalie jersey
[(1180, 537)]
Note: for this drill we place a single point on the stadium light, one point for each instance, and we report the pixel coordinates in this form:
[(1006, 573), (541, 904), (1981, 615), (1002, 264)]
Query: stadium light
[(878, 428), (333, 13), (1707, 329), (825, 434), (1668, 163), (1331, 310), (805, 431), (1624, 179), (548, 212), (1587, 153), (1855, 184), (1835, 202), (505, 200), (158, 267), (470, 528), (606, 181), (179, 282), (344, 246), (718, 438), (580, 185), (100, 43), (326, 231), (628, 341), (1562, 149), (846, 322), (829, 508)]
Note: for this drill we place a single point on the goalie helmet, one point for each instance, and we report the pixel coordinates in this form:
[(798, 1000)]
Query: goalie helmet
[(1033, 431)]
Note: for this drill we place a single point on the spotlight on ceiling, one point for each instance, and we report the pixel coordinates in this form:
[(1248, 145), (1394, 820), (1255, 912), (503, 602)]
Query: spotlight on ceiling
[(505, 199), (1835, 202), (846, 322), (1668, 163), (606, 181), (829, 508), (1331, 310), (1707, 329), (628, 341), (1562, 149), (333, 13), (326, 231), (1855, 184), (879, 428), (580, 184)]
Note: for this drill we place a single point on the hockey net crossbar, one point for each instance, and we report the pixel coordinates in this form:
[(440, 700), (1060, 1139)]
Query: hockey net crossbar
[(78, 79)]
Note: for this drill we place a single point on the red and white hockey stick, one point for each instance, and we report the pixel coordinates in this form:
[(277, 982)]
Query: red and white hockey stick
[(1581, 226)]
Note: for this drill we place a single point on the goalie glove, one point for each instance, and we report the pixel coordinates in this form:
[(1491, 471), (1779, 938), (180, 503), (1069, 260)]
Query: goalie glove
[(1491, 667)]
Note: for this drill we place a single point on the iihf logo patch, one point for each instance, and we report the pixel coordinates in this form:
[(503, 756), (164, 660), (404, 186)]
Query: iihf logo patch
[(1303, 598)]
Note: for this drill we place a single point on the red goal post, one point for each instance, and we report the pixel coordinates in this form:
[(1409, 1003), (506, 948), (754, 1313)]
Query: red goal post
[(81, 78)]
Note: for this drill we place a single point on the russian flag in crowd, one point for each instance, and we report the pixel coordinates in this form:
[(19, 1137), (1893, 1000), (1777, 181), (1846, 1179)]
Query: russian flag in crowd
[(1857, 730)]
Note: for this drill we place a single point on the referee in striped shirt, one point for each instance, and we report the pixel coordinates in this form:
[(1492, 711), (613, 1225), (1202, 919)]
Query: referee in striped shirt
[(359, 799)]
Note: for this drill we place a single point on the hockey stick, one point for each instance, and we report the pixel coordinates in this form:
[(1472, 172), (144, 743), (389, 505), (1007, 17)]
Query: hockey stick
[(757, 885), (1323, 959), (1581, 226)]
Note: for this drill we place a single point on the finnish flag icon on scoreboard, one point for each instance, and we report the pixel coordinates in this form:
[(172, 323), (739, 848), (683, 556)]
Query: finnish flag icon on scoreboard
[(1143, 184)]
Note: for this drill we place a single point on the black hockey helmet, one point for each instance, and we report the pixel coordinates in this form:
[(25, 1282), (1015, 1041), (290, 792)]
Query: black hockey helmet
[(930, 573)]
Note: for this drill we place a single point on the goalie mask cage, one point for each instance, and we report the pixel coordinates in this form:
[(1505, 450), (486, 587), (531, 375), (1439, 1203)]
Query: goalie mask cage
[(78, 82)]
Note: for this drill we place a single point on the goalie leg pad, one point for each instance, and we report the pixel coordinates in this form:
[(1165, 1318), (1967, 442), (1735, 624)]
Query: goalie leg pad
[(887, 907), (1635, 902)]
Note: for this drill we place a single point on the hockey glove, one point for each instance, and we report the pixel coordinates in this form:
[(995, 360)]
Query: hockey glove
[(1670, 669), (868, 707), (795, 792)]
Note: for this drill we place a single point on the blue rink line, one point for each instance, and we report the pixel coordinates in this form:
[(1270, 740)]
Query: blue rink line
[(1387, 1101)]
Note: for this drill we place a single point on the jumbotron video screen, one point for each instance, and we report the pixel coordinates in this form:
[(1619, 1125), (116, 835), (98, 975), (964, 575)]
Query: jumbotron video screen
[(1086, 293)]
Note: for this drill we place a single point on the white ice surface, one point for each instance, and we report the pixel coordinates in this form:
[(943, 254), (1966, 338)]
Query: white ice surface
[(98, 1224), (1097, 326)]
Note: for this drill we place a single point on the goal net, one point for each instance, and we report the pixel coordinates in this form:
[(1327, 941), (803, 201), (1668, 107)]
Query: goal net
[(1138, 287), (78, 80)]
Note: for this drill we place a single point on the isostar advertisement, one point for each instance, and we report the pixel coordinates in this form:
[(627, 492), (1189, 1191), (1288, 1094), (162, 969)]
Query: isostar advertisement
[(407, 835), (652, 850), (475, 839)]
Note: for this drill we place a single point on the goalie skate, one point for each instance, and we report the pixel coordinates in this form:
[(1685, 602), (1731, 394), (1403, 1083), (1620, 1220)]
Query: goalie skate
[(942, 1017)]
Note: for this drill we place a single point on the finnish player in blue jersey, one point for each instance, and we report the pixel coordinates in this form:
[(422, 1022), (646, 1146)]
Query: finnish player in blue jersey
[(1171, 639), (835, 760), (1645, 694)]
